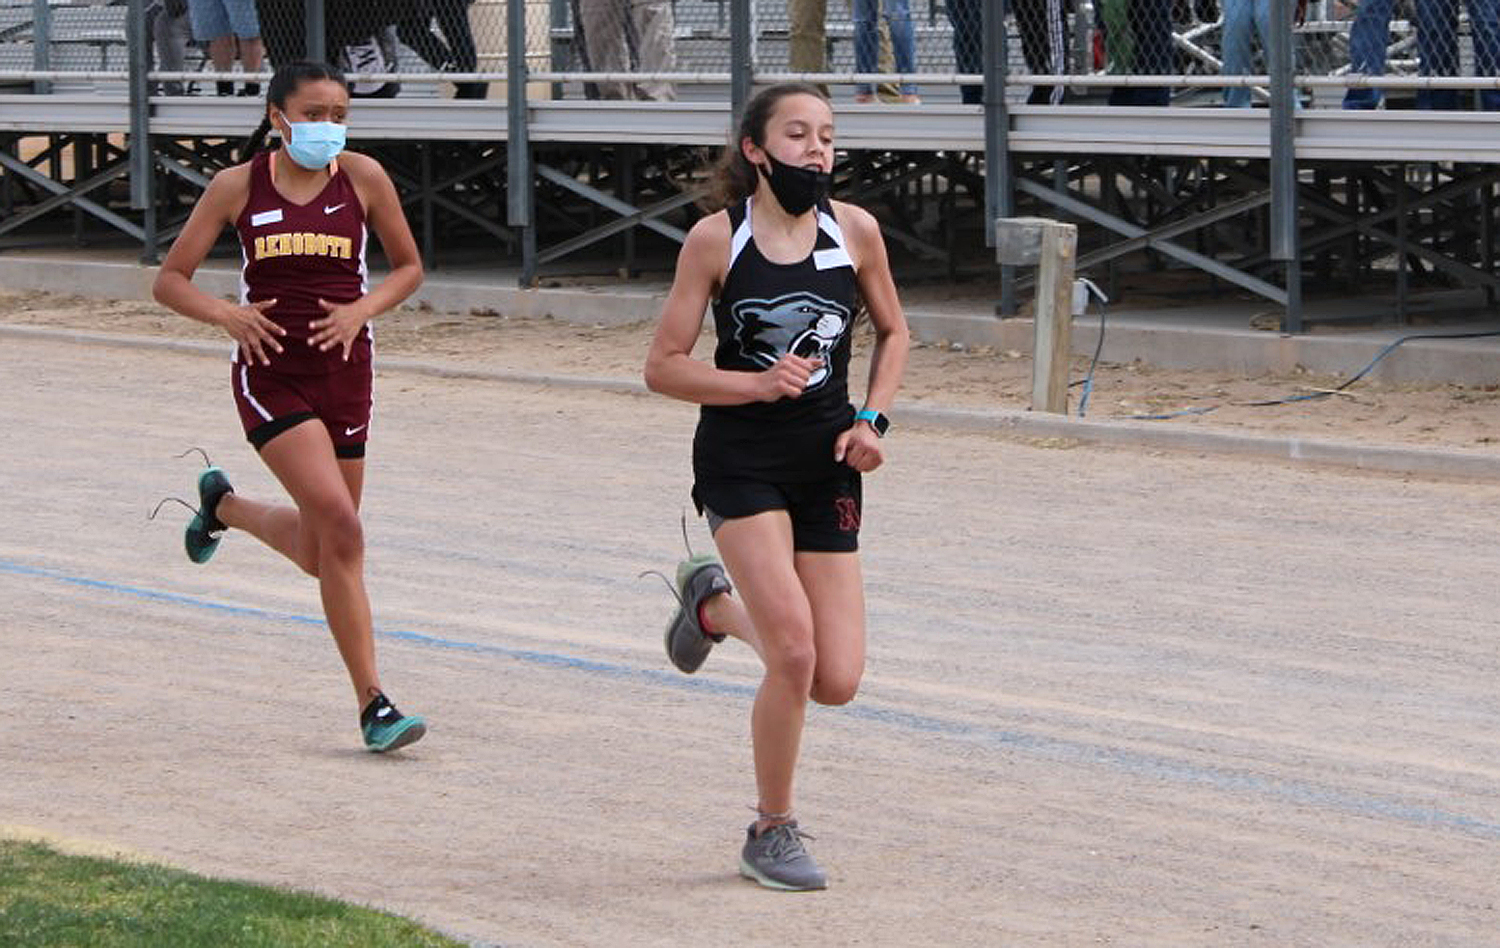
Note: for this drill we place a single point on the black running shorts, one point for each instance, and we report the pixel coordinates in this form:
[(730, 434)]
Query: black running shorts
[(825, 514)]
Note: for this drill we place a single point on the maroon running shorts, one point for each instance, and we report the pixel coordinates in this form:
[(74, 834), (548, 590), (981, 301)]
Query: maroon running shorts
[(271, 402)]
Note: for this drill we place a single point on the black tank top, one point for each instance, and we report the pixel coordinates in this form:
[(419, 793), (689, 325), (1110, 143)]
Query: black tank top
[(765, 311)]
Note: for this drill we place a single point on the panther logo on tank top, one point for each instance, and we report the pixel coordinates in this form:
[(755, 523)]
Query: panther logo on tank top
[(802, 324)]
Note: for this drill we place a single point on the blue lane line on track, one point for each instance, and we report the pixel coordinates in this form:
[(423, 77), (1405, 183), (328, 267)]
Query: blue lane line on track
[(1147, 765)]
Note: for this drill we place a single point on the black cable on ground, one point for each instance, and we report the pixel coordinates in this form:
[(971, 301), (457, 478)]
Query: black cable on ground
[(1311, 396)]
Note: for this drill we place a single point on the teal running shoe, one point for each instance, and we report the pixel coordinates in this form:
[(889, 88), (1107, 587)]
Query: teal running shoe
[(386, 729), (205, 530)]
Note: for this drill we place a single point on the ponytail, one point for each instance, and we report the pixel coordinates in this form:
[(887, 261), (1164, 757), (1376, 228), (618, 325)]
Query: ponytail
[(256, 140)]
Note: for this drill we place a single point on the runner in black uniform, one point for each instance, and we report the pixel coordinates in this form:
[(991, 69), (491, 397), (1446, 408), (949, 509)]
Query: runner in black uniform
[(779, 450), (301, 372)]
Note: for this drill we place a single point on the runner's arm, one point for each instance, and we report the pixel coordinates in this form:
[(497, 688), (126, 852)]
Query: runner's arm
[(344, 321), (388, 220), (219, 204), (248, 326), (892, 339)]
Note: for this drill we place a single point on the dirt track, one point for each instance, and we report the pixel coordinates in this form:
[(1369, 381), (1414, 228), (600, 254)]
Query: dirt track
[(1112, 698)]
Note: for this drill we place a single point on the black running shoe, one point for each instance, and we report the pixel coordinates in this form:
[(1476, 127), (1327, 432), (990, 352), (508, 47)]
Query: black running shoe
[(205, 529)]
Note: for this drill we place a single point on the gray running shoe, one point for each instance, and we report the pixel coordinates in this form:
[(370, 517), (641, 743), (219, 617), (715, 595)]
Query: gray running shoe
[(777, 860), (698, 578)]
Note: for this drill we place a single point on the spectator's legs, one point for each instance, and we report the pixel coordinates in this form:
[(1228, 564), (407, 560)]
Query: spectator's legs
[(453, 20), (154, 17), (1368, 39), (886, 91), (1263, 28), (253, 56), (866, 45), (1239, 19), (604, 31), (284, 29), (172, 38), (903, 42), (416, 32), (1154, 55), (1119, 45), (968, 44), (1040, 23), (657, 46), (1437, 50), (1484, 24), (808, 35), (221, 54), (245, 24)]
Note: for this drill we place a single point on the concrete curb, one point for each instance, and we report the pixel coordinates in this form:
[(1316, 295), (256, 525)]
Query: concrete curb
[(1392, 459), (1158, 340)]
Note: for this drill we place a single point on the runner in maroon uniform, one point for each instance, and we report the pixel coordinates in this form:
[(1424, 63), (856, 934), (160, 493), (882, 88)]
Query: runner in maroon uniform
[(301, 373)]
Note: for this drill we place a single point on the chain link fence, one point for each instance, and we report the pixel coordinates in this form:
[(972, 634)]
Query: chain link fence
[(1214, 51)]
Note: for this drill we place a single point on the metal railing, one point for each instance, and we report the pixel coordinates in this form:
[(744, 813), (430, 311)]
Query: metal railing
[(540, 50), (1195, 52)]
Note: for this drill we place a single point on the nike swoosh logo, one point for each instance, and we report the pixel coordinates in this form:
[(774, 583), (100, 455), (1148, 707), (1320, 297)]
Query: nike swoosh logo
[(330, 210), (354, 431)]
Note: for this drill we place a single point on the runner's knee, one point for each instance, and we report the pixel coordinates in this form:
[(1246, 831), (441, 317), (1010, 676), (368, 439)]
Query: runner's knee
[(340, 534), (794, 658), (833, 688)]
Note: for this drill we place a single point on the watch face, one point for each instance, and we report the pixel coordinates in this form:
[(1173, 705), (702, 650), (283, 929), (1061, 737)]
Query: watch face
[(880, 423)]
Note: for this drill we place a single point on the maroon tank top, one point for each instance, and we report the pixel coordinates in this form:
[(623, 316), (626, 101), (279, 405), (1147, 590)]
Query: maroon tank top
[(298, 254)]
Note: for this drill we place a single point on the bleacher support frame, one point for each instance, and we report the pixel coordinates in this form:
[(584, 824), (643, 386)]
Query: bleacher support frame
[(1252, 198)]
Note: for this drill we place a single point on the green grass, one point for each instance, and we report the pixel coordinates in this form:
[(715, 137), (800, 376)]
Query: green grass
[(50, 899)]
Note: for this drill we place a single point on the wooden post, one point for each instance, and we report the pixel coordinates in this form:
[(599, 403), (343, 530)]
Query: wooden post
[(1050, 246)]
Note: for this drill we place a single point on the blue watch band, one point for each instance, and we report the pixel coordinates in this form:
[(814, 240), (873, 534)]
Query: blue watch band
[(868, 414)]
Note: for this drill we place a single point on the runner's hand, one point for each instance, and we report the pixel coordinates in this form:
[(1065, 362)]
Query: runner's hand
[(339, 327), (859, 447), (787, 378), (252, 329)]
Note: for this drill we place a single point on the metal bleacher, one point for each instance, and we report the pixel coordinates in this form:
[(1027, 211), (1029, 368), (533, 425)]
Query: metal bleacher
[(1185, 184)]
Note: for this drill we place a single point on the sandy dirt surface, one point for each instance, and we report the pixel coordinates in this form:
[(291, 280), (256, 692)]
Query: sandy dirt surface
[(1447, 416), (1111, 698)]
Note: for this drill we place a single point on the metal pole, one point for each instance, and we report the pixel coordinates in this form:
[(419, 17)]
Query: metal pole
[(142, 161), (1403, 264), (999, 185), (429, 244), (520, 184), (41, 43), (1284, 245), (1487, 238), (316, 24), (741, 67)]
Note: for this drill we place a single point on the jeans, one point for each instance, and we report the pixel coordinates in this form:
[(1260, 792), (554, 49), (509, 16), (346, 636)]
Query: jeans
[(1240, 16), (1437, 49), (867, 40)]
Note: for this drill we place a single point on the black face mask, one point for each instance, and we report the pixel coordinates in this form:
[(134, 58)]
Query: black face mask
[(798, 189)]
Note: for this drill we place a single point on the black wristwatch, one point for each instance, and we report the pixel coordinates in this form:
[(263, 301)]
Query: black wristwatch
[(879, 422)]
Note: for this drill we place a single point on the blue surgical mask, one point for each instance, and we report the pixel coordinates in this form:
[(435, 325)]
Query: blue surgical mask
[(314, 144)]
